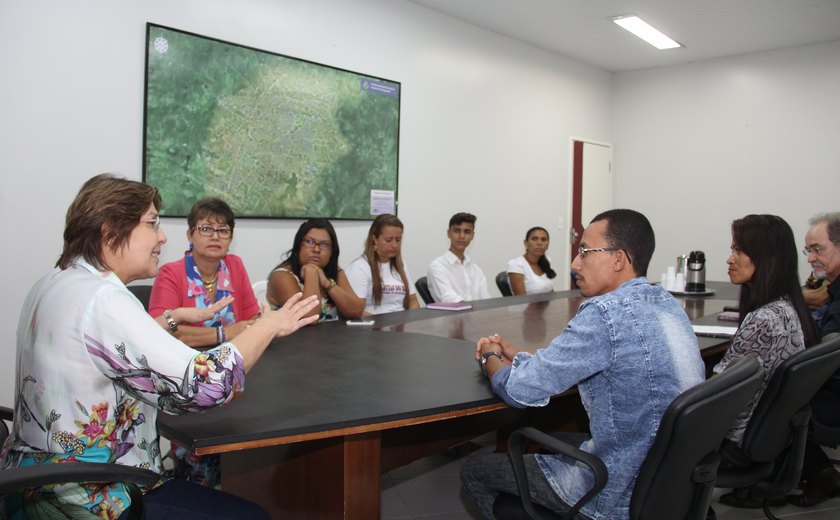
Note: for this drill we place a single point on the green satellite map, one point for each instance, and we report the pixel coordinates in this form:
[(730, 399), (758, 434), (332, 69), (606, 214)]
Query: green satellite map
[(271, 135)]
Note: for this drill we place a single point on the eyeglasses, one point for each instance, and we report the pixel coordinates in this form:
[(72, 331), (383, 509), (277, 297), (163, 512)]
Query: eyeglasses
[(207, 231), (323, 246), (583, 251), (154, 221), (815, 250)]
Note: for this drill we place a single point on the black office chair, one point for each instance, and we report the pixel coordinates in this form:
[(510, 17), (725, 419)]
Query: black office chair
[(503, 284), (823, 433), (142, 292), (422, 285), (676, 479), (5, 415), (13, 479), (774, 441)]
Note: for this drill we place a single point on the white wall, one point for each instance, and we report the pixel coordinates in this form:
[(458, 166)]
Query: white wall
[(699, 145), (485, 123)]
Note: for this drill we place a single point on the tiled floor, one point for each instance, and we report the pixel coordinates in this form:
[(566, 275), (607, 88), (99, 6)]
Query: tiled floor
[(430, 489)]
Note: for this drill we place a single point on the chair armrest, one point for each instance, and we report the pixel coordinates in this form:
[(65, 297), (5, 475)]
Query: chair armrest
[(42, 474), (599, 470)]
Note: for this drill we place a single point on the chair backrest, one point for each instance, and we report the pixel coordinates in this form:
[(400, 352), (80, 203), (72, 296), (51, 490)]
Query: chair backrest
[(422, 285), (503, 284), (142, 292), (677, 477), (5, 415), (790, 390), (260, 290)]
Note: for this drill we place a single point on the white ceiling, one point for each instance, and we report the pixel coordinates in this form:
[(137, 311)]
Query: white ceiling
[(707, 28)]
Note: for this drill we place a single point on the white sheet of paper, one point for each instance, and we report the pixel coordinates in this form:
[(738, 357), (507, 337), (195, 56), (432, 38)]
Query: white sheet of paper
[(714, 330), (381, 201)]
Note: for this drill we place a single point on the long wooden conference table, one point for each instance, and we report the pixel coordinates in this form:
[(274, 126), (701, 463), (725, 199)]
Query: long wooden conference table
[(327, 410)]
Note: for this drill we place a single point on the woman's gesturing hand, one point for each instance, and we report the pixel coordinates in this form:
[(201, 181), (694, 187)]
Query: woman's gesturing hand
[(292, 315)]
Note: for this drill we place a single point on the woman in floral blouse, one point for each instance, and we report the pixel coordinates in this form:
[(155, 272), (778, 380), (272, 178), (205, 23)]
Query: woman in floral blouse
[(93, 368), (775, 322)]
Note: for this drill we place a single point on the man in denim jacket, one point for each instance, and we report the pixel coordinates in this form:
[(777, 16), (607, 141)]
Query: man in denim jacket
[(630, 350)]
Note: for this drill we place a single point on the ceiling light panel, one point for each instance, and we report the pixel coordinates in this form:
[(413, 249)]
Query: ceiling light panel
[(645, 31)]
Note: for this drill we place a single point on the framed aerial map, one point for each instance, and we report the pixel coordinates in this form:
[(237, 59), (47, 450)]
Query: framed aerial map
[(273, 136)]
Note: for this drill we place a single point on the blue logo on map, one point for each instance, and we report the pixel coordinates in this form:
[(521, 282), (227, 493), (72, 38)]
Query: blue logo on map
[(376, 86)]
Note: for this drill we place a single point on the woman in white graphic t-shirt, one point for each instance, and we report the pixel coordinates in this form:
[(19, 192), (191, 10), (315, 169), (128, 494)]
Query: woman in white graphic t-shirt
[(379, 275)]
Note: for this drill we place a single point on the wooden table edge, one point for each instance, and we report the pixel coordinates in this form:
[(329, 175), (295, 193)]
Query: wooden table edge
[(352, 430)]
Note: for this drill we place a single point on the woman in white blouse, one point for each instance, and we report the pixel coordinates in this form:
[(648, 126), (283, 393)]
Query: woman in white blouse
[(379, 275), (531, 273), (94, 368)]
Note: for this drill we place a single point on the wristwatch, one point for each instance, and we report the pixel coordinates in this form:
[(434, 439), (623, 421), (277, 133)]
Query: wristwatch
[(483, 361), (331, 285), (167, 314)]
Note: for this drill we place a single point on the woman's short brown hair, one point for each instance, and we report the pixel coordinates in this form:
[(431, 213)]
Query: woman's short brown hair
[(211, 207), (105, 212)]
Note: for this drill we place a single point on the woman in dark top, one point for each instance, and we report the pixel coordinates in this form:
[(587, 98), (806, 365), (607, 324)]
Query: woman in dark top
[(311, 267)]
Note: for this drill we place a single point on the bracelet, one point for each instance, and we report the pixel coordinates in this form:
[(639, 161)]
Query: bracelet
[(167, 314), (220, 334), (483, 361), (331, 286)]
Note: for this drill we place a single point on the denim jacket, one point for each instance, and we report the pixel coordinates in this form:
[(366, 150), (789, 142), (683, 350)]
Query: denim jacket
[(631, 352)]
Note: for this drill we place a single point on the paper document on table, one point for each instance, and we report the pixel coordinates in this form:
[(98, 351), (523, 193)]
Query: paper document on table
[(717, 331), (459, 306)]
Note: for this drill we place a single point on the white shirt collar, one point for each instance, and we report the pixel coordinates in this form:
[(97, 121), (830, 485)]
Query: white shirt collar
[(452, 258), (108, 275)]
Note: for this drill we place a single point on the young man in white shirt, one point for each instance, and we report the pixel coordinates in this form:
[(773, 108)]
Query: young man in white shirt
[(453, 277)]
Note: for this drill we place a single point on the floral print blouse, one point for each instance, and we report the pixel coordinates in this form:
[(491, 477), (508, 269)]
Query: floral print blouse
[(195, 289), (93, 369), (772, 333)]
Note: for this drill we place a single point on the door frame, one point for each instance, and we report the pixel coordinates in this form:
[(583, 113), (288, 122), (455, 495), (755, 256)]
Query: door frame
[(575, 201)]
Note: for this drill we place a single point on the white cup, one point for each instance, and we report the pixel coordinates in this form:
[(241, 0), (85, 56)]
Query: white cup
[(679, 282)]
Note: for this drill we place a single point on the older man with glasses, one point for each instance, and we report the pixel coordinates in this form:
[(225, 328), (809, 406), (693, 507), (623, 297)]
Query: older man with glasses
[(822, 247)]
